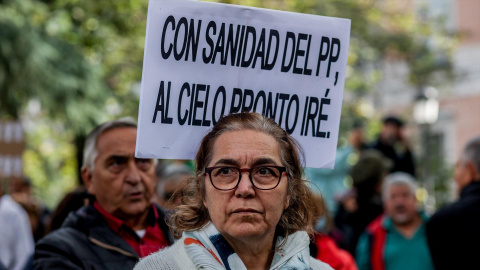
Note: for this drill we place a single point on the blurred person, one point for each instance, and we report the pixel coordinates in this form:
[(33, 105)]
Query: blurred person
[(454, 231), (16, 239), (248, 206), (322, 246), (393, 144), (72, 201), (171, 178), (121, 224), (331, 183), (363, 203), (38, 214), (396, 240)]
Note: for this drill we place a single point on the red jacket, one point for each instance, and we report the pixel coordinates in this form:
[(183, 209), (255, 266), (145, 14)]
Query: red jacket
[(329, 253), (378, 235)]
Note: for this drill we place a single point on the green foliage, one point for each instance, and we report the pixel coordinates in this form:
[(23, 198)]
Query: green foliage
[(36, 65), (49, 160), (112, 34)]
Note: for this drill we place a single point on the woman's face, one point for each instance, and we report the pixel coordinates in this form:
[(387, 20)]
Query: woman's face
[(246, 213)]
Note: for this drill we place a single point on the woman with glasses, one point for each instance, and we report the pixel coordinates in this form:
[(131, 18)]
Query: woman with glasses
[(248, 206)]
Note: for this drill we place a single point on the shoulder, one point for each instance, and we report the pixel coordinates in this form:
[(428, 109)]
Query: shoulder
[(319, 265), (449, 212), (63, 239), (9, 209), (173, 257), (59, 250), (378, 224)]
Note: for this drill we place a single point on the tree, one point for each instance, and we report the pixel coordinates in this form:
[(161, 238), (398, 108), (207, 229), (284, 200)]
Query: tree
[(36, 66)]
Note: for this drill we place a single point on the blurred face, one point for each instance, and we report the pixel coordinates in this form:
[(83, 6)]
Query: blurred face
[(356, 137), (390, 133), (400, 204), (464, 174), (246, 213), (121, 183)]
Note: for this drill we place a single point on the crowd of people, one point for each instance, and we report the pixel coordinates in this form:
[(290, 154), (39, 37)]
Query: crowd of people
[(246, 203)]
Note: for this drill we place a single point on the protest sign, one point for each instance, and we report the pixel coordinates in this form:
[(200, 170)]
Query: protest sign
[(204, 60)]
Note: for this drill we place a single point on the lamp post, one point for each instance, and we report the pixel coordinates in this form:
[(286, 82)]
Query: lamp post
[(425, 113)]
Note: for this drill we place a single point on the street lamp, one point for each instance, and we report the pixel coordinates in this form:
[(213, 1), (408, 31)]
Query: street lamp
[(425, 113), (426, 106)]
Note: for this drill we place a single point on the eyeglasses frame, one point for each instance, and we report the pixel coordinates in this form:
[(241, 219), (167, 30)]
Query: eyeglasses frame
[(249, 170)]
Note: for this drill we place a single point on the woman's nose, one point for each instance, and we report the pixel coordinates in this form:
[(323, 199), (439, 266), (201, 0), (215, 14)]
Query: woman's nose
[(245, 187)]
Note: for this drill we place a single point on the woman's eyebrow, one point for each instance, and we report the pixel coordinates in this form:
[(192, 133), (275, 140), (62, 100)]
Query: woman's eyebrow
[(226, 161), (264, 161)]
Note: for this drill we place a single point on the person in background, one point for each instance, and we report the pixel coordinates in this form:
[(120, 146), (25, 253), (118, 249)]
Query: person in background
[(396, 240), (393, 145), (16, 239), (72, 201), (247, 207), (170, 179), (332, 183), (121, 224), (322, 246), (363, 203), (454, 231), (38, 214)]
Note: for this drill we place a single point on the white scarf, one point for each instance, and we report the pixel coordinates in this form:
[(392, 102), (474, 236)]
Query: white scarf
[(209, 250)]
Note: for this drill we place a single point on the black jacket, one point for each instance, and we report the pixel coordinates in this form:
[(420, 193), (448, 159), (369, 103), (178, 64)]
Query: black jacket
[(402, 162), (453, 233), (86, 242)]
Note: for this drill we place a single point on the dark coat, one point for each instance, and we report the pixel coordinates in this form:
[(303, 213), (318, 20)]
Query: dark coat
[(402, 162), (453, 233), (86, 242)]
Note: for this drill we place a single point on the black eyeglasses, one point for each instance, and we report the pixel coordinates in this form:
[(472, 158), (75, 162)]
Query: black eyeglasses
[(261, 177)]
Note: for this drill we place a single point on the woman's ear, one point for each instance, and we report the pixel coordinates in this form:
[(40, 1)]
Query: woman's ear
[(287, 202)]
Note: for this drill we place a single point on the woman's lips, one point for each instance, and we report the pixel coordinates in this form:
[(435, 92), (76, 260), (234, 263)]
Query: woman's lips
[(245, 211)]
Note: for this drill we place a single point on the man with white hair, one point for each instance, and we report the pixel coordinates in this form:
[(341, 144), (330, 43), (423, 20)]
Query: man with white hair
[(397, 239), (121, 224), (454, 231)]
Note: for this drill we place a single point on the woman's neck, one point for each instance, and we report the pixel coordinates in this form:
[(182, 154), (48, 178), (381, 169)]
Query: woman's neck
[(255, 253)]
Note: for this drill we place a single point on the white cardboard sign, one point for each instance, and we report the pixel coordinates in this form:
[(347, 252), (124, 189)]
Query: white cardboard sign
[(204, 60)]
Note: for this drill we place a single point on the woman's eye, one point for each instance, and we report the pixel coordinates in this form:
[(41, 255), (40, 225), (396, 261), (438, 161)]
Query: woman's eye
[(225, 171), (264, 171)]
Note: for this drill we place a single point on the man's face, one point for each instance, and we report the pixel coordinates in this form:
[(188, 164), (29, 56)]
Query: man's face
[(121, 183), (356, 137), (390, 133), (400, 204)]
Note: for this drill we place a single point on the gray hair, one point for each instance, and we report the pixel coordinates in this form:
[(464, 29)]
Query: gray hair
[(398, 178), (90, 152), (471, 152)]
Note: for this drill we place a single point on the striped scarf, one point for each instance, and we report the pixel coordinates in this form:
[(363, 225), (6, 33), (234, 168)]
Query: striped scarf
[(208, 249)]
